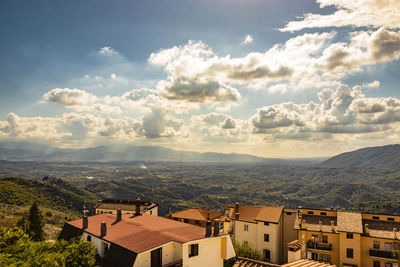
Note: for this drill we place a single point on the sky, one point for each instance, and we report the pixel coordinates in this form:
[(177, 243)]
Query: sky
[(272, 78)]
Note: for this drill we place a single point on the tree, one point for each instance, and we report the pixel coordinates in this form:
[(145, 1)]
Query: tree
[(36, 223), (245, 251)]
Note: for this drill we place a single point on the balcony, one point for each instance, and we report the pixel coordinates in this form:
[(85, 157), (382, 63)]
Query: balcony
[(177, 263), (319, 246), (384, 254)]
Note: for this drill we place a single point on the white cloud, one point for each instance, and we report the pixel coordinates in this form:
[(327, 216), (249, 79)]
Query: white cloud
[(107, 50), (360, 13), (248, 39), (373, 84)]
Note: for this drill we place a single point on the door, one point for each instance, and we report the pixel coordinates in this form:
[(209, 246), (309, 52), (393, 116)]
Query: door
[(156, 258), (388, 246)]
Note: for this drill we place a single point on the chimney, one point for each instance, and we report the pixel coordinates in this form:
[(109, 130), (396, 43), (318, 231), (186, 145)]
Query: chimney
[(303, 224), (208, 228), (333, 226), (103, 229), (237, 210), (85, 222), (216, 227), (366, 229), (320, 226), (394, 233), (137, 208), (119, 215)]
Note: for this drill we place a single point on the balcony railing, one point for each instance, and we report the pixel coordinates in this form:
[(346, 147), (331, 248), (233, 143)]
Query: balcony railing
[(384, 254), (177, 263), (319, 246)]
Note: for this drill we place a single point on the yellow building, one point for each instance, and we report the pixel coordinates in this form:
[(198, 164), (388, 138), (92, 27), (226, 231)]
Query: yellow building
[(349, 239), (262, 228)]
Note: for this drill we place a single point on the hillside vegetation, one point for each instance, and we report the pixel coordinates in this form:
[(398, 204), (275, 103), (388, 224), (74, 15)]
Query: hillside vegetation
[(384, 157)]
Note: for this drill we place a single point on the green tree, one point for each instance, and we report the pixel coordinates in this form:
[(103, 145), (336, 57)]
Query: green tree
[(36, 223), (17, 249), (245, 251)]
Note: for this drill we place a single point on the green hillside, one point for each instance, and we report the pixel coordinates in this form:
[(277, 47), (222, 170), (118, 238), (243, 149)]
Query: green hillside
[(376, 157)]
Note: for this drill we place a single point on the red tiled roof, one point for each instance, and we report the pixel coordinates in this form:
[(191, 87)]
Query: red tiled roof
[(196, 214), (142, 232)]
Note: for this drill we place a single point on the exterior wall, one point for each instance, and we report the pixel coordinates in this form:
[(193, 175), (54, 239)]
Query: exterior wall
[(289, 233), (153, 211), (333, 238), (98, 243), (346, 243), (381, 217), (318, 212), (211, 252), (294, 256), (255, 237), (367, 244), (170, 252)]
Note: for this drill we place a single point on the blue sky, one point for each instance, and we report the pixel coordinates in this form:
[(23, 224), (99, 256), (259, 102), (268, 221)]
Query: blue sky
[(269, 78)]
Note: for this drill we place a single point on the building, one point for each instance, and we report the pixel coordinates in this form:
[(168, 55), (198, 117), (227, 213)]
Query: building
[(111, 205), (345, 238), (195, 216), (243, 262), (267, 229), (142, 240)]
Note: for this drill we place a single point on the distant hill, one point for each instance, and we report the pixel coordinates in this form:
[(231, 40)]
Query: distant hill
[(375, 157), (27, 152)]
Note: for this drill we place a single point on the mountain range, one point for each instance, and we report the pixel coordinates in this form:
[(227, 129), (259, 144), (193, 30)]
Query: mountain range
[(12, 151)]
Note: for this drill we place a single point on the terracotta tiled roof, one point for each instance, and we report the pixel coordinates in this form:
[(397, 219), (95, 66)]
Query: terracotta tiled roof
[(142, 232), (349, 222), (244, 262), (312, 223), (198, 214), (307, 263), (254, 214), (296, 245), (124, 204), (382, 229)]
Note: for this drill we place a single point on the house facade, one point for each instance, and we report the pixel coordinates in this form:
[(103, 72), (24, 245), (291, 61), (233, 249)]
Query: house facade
[(263, 228), (143, 240), (195, 216), (111, 205), (347, 239)]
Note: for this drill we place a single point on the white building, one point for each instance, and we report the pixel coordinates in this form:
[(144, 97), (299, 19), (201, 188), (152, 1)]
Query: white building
[(150, 241)]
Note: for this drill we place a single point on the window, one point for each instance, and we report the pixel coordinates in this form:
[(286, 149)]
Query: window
[(323, 213), (267, 255), (314, 256), (390, 219), (193, 250), (151, 212), (246, 227), (349, 253), (197, 222), (388, 246), (266, 223), (266, 237), (377, 244), (325, 258), (310, 212), (375, 218), (186, 220), (89, 238), (388, 264), (325, 239), (175, 219), (377, 264), (245, 242), (396, 246), (288, 213), (349, 235)]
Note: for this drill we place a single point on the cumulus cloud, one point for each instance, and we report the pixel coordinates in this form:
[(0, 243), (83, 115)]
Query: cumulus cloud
[(360, 13), (70, 97), (343, 111), (248, 39), (193, 90)]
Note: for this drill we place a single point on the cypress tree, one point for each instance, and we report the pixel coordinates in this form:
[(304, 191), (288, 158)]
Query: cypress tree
[(36, 223)]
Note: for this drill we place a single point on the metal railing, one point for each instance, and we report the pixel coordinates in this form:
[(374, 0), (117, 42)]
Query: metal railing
[(319, 246), (383, 254)]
